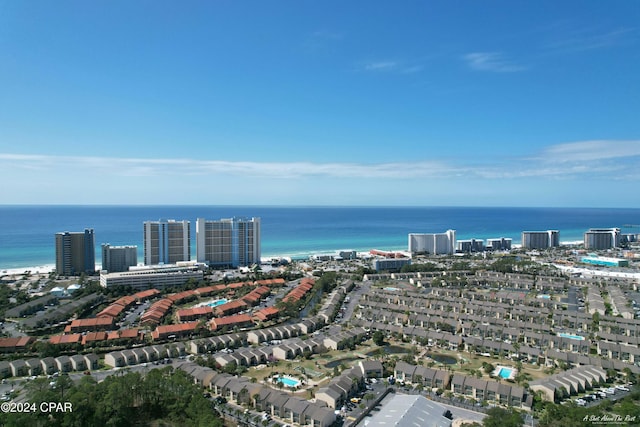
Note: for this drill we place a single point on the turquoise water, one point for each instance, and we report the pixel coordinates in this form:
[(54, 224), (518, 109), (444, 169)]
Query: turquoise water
[(543, 296), (27, 232), (505, 373), (573, 337), (218, 302), (289, 382), (389, 288)]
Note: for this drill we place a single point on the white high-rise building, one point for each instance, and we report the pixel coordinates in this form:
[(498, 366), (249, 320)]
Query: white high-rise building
[(602, 238), (167, 242), (228, 242), (433, 244)]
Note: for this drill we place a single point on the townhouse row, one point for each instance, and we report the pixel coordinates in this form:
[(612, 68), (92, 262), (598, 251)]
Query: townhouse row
[(569, 383), (551, 348), (280, 404), (466, 385), (476, 314), (48, 365), (350, 381)]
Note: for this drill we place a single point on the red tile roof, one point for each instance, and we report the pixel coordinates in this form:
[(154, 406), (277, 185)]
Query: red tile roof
[(146, 294), (267, 313), (238, 319), (15, 342), (187, 313), (179, 329), (65, 339), (96, 322), (94, 336), (230, 307)]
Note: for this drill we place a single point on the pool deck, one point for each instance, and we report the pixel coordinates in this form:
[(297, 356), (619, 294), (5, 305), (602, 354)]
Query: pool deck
[(512, 372)]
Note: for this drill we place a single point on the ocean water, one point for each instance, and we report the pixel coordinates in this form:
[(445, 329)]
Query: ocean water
[(27, 232)]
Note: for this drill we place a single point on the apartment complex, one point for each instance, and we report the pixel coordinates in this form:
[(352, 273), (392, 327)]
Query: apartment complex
[(167, 242), (433, 244), (118, 258), (156, 277), (540, 239), (228, 242), (602, 238), (499, 244), (75, 252), (472, 245)]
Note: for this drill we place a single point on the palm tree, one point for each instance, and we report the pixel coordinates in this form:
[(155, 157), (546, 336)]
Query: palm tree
[(242, 395), (256, 401)]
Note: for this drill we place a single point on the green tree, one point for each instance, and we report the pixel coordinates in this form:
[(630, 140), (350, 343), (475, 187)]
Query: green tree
[(378, 338), (499, 417)]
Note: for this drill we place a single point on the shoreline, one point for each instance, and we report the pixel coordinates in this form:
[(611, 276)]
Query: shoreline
[(301, 256)]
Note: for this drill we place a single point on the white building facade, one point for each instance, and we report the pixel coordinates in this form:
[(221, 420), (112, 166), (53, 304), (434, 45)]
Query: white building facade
[(158, 277), (602, 238), (433, 244)]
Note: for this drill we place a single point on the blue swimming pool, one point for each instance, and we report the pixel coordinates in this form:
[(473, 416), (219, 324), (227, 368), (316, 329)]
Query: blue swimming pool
[(288, 381), (505, 373), (390, 288), (218, 302), (573, 337)]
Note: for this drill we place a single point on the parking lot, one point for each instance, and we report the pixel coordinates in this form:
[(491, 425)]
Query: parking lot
[(597, 396)]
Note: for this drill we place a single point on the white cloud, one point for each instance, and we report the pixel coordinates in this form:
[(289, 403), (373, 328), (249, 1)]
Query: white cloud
[(491, 61), (583, 39), (380, 66), (611, 159), (412, 69), (157, 166), (591, 151), (397, 67)]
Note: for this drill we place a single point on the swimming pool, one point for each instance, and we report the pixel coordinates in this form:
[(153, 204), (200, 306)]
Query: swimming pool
[(573, 337), (544, 296), (288, 381), (505, 373), (217, 302), (389, 288)]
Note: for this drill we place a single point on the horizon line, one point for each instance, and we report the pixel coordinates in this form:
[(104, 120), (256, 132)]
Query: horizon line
[(295, 206)]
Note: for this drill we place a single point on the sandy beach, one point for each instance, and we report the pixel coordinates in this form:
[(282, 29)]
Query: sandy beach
[(39, 269)]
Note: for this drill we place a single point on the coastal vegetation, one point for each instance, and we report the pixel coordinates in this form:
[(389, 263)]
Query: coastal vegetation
[(161, 397)]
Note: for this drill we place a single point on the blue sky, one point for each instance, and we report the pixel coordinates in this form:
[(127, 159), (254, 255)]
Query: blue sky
[(320, 103)]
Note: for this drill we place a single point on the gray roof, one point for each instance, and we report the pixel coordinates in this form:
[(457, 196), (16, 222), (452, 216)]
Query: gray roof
[(410, 411), (48, 361), (297, 406), (331, 392)]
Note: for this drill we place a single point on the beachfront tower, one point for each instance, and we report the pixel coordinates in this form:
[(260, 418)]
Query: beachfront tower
[(231, 242), (602, 238), (499, 244), (75, 253), (540, 239), (433, 244), (118, 258), (166, 242)]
